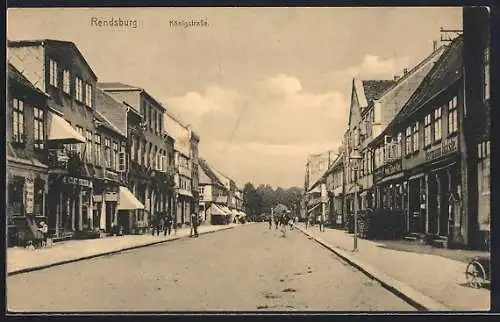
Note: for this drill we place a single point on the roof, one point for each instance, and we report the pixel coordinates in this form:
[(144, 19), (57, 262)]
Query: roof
[(16, 75), (375, 88), (107, 124), (446, 71), (209, 172), (117, 87), (42, 42)]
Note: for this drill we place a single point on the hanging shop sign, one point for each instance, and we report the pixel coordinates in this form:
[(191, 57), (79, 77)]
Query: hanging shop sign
[(77, 181), (111, 196), (446, 147), (29, 194)]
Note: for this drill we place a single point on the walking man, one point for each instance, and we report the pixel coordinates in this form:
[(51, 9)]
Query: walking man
[(270, 220), (194, 225), (321, 223), (168, 225)]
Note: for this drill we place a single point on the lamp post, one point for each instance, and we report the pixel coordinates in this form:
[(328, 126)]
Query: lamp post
[(354, 157)]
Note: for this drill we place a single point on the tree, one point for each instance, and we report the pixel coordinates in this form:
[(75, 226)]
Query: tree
[(252, 200)]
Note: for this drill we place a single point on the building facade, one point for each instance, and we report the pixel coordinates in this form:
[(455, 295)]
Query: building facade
[(149, 177), (213, 202)]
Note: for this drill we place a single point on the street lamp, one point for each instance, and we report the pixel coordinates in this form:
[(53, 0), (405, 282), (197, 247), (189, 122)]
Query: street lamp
[(354, 157)]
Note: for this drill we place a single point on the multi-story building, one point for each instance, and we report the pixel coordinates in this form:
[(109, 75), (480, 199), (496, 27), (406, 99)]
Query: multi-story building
[(28, 126), (59, 69), (419, 173), (112, 180), (186, 167), (150, 147), (475, 167), (213, 196), (374, 104)]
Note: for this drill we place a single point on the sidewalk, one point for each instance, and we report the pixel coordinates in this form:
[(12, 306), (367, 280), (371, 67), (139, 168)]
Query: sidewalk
[(21, 259), (437, 280)]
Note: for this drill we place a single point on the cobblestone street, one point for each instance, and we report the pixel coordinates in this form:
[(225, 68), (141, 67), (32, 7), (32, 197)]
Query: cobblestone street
[(249, 268)]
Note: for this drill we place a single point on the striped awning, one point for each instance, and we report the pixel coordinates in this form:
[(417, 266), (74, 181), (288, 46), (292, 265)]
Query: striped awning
[(61, 131)]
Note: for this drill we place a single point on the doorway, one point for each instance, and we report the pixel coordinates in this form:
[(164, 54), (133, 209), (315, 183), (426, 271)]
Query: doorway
[(415, 212)]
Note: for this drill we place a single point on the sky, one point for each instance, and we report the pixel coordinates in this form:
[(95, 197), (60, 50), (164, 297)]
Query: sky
[(263, 87)]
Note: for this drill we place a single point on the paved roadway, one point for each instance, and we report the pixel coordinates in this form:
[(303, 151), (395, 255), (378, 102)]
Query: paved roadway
[(248, 268)]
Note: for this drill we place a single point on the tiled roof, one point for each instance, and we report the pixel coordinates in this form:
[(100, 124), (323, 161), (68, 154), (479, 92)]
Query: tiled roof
[(209, 172), (16, 75), (106, 123), (446, 71), (116, 85), (375, 88)]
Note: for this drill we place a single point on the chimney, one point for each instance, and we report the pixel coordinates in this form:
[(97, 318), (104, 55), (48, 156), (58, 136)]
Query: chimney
[(396, 77), (405, 71), (434, 45)]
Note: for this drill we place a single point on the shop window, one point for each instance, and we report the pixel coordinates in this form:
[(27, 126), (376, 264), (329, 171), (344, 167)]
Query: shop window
[(15, 196), (18, 136), (452, 116), (52, 72), (66, 84), (427, 130), (79, 89), (437, 124), (38, 127)]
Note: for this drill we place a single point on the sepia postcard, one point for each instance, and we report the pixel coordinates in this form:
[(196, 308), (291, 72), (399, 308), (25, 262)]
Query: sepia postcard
[(248, 160)]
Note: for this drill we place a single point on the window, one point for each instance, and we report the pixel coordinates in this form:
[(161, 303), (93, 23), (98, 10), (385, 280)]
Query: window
[(415, 137), (88, 148), (107, 152), (408, 142), (79, 129), (452, 116), (66, 86), (156, 122), (427, 130), (98, 149), (114, 156), (17, 121), (78, 89), (150, 119), (88, 95), (38, 128), (52, 72), (486, 73), (399, 144), (437, 124)]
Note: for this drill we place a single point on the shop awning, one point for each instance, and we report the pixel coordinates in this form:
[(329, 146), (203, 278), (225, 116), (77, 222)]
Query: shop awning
[(316, 206), (242, 214), (61, 131), (337, 191), (127, 201), (416, 176), (392, 177), (215, 210), (226, 210)]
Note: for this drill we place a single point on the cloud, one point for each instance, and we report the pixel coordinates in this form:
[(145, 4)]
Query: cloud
[(374, 67), (264, 133)]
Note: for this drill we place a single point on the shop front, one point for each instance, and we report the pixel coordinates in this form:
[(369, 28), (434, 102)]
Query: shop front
[(127, 203), (27, 185)]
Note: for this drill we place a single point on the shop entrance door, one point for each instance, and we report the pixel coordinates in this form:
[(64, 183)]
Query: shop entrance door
[(433, 200), (414, 211), (444, 211)]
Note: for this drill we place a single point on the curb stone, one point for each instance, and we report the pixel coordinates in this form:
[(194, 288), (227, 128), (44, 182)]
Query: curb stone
[(58, 263), (408, 294)]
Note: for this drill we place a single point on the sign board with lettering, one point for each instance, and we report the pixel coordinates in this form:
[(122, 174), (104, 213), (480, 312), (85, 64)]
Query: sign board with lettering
[(446, 147), (77, 181), (29, 195)]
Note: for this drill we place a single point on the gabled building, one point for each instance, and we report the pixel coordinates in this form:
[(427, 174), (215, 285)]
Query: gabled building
[(419, 173), (373, 105), (214, 194)]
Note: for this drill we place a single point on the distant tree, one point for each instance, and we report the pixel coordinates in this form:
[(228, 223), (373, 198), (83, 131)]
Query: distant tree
[(252, 200)]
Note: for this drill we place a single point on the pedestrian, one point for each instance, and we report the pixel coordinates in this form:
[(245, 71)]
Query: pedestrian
[(161, 225), (194, 225), (174, 224), (276, 221), (44, 229), (168, 225), (307, 221), (321, 224), (270, 220)]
